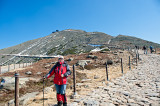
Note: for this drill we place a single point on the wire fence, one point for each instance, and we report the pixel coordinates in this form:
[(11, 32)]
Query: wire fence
[(13, 67)]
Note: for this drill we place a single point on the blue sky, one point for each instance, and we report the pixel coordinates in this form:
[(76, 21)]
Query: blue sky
[(23, 20)]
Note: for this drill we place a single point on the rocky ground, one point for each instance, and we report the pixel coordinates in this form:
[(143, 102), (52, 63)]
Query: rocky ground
[(139, 87), (92, 87), (94, 78)]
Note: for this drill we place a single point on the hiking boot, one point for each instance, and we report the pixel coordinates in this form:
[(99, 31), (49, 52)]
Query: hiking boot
[(65, 104), (60, 103)]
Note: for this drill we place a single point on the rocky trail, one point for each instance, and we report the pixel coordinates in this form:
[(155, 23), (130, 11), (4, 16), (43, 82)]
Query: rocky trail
[(94, 79), (138, 87)]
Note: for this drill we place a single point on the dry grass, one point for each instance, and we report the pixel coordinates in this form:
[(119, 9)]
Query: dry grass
[(32, 86)]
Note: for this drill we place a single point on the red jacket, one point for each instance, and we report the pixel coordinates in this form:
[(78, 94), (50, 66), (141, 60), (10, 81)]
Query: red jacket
[(57, 70)]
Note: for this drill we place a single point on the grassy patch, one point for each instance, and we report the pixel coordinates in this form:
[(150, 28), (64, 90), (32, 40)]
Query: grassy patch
[(60, 47), (37, 59), (69, 51), (105, 50), (19, 61), (89, 67), (72, 40), (87, 35), (86, 51), (13, 51), (3, 56), (51, 51), (102, 47)]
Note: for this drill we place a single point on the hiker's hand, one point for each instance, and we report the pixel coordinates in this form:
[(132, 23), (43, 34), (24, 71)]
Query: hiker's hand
[(43, 78), (62, 75)]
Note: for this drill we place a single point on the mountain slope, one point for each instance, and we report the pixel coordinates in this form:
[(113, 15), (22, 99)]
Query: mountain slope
[(129, 41), (69, 42)]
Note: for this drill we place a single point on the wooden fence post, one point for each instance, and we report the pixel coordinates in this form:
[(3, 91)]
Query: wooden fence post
[(129, 63), (74, 80), (107, 71), (138, 56), (43, 90), (136, 59), (16, 89), (121, 66)]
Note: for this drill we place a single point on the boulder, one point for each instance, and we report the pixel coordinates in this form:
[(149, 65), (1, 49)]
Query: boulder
[(96, 77), (39, 73), (109, 62), (10, 86), (10, 83), (70, 59), (106, 104), (130, 101), (73, 104), (47, 66), (75, 96), (92, 57), (79, 84), (53, 63), (125, 93), (82, 63), (91, 103), (95, 50), (115, 53), (120, 51), (86, 80), (153, 94), (24, 99), (116, 60), (27, 97), (28, 72), (79, 100)]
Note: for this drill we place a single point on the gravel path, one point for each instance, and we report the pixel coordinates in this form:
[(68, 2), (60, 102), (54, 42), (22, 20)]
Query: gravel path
[(139, 87)]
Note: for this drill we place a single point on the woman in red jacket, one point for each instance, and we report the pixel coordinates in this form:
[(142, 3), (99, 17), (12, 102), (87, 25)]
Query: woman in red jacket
[(61, 71)]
